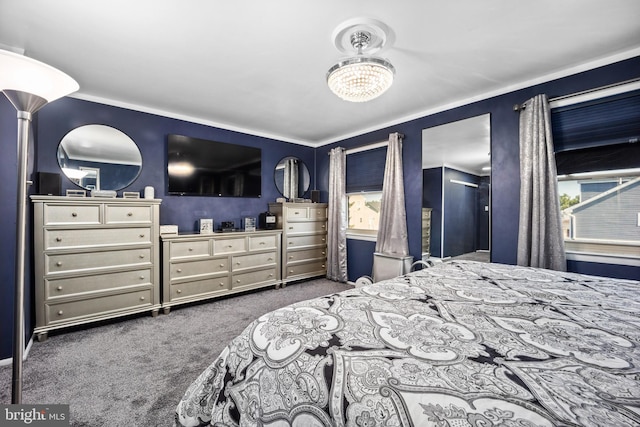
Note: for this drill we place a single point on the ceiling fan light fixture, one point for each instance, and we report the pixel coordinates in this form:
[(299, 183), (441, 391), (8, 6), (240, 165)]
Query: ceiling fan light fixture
[(360, 78)]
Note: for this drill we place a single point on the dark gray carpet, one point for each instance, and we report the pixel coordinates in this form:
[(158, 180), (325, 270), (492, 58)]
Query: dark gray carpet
[(134, 372)]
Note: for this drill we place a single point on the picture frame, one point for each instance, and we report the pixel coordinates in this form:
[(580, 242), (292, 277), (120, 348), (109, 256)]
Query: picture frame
[(206, 225)]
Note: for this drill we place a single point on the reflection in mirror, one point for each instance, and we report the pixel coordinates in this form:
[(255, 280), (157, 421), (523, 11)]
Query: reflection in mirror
[(292, 177), (98, 157), (456, 184)]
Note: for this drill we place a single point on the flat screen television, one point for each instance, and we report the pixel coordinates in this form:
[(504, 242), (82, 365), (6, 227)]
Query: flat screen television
[(200, 167)]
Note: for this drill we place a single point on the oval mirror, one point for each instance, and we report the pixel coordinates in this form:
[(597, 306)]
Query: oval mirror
[(99, 157), (292, 177)]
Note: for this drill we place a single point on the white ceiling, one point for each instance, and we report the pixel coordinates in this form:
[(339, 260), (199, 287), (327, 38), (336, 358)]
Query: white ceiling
[(259, 66)]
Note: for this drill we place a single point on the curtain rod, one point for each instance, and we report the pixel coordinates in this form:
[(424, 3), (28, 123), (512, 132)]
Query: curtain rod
[(371, 146), (518, 107)]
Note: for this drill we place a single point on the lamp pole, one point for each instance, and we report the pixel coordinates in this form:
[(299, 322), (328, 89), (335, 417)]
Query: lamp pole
[(29, 85)]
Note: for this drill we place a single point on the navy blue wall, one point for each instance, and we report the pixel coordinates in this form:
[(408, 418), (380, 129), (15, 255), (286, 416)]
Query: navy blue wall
[(505, 182), (460, 213), (432, 198), (150, 132)]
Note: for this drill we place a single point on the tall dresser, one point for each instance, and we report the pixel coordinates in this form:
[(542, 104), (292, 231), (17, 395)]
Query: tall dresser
[(95, 259), (304, 239)]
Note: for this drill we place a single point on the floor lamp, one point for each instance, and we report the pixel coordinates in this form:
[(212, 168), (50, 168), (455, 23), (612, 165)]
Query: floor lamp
[(29, 85)]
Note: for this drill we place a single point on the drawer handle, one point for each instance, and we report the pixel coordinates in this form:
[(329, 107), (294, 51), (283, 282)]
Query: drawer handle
[(324, 226), (324, 253), (179, 291), (141, 298), (271, 275), (221, 284), (291, 271), (229, 246), (129, 213), (141, 256), (221, 265), (190, 249), (290, 256), (59, 288), (238, 281), (179, 270), (296, 213), (60, 313), (58, 263), (323, 266), (324, 240), (291, 243), (58, 239), (141, 277), (74, 214), (262, 243), (290, 228), (142, 236), (269, 259), (238, 263)]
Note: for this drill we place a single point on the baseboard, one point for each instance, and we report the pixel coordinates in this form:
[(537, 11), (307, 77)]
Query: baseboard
[(9, 360)]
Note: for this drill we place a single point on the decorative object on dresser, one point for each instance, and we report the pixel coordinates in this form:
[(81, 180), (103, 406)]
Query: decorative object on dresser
[(197, 267), (206, 225), (304, 237), (95, 259)]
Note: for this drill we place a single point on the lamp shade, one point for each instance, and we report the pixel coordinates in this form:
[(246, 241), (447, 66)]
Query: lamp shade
[(26, 75), (360, 79)]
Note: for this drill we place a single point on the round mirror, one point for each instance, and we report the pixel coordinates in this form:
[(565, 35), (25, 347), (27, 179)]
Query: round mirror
[(99, 157), (291, 177)]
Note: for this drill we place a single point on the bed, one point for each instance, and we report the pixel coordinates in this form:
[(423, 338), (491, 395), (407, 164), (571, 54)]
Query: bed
[(459, 344)]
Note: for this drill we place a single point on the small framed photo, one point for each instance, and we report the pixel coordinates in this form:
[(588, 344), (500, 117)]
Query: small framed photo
[(249, 224), (206, 225)]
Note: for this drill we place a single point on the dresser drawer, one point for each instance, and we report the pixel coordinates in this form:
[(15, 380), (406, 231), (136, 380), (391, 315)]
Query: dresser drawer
[(60, 238), (257, 243), (78, 214), (254, 278), (62, 263), (121, 214), (86, 284), (306, 227), (183, 270), (316, 267), (196, 248), (65, 311), (296, 212), (306, 254), (305, 241), (225, 246), (199, 287), (241, 262), (318, 213)]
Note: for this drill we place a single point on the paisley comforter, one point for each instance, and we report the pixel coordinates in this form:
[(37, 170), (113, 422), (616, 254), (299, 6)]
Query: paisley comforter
[(459, 344)]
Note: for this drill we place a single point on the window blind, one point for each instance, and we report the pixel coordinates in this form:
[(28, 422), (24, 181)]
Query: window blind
[(365, 170), (605, 121)]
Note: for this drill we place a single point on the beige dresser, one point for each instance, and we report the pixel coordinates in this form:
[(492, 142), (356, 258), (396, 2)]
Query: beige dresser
[(201, 266), (426, 232), (304, 239), (95, 259)]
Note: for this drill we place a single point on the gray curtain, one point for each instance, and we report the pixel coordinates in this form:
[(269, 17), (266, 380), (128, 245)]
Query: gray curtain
[(337, 217), (392, 230), (291, 178), (540, 240)]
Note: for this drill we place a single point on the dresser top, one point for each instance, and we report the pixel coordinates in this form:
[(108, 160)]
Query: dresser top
[(92, 200)]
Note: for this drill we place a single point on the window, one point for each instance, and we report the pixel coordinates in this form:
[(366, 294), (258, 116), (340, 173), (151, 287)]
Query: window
[(598, 163), (365, 173)]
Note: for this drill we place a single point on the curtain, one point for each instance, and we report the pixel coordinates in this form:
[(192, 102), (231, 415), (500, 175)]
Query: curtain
[(337, 217), (291, 178), (392, 230), (540, 240)]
